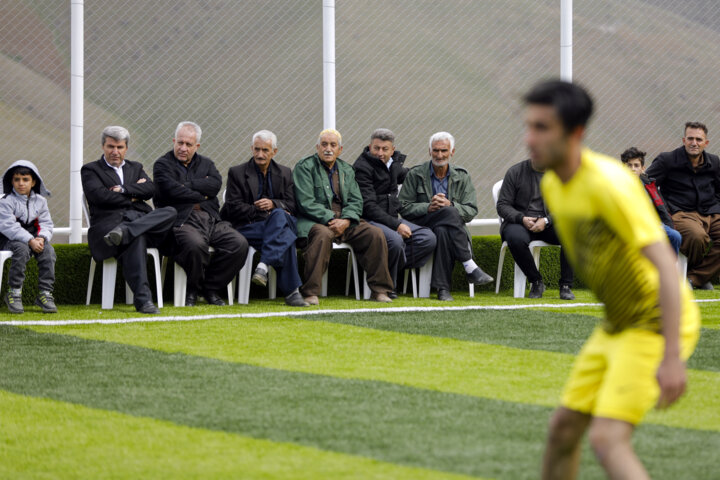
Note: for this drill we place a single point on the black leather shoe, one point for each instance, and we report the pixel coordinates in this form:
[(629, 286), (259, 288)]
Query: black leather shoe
[(114, 237), (478, 277), (190, 299), (444, 295), (392, 294), (148, 307), (213, 298), (566, 293), (537, 289), (260, 277), (296, 300)]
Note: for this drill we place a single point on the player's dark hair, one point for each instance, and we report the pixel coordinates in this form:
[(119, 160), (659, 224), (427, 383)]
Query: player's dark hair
[(572, 102), (631, 154), (699, 125)]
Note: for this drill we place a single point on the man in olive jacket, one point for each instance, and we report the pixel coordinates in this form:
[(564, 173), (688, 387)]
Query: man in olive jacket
[(329, 206), (442, 197)]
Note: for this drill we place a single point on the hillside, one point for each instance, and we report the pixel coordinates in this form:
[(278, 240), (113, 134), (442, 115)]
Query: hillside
[(413, 66)]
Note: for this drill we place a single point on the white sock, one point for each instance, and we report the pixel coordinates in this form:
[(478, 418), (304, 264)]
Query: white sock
[(262, 266), (470, 266)]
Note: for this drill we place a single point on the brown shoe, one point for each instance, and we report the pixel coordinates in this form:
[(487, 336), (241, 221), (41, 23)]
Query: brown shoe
[(380, 297), (312, 300)]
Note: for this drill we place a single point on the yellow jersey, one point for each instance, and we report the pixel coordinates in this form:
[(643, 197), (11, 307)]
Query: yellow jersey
[(604, 219)]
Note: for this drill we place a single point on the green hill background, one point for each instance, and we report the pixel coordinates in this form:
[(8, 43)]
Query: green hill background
[(413, 66)]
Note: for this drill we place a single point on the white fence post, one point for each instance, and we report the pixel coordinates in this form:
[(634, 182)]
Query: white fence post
[(566, 40), (328, 63), (77, 80)]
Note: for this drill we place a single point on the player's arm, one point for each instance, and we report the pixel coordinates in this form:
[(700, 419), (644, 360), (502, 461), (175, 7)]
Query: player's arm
[(671, 373)]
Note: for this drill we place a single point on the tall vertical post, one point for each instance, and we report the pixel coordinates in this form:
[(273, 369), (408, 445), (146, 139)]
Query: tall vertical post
[(77, 85), (328, 63), (566, 40)]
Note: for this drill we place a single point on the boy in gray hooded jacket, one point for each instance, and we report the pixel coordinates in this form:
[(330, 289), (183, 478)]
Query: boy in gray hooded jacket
[(26, 229)]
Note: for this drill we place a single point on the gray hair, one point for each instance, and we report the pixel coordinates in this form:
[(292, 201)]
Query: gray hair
[(266, 136), (383, 134), (117, 133), (195, 126), (436, 137)]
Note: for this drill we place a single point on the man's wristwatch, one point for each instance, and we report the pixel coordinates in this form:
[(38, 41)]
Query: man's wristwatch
[(547, 221)]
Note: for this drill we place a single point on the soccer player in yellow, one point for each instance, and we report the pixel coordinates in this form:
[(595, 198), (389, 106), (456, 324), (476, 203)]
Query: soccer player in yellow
[(614, 240)]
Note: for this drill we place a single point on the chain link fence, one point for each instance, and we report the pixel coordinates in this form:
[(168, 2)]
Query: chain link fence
[(414, 66)]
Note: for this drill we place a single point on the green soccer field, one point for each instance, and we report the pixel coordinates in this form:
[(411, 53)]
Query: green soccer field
[(376, 394)]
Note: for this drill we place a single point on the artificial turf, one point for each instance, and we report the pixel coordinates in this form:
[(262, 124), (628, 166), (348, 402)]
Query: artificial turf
[(364, 395)]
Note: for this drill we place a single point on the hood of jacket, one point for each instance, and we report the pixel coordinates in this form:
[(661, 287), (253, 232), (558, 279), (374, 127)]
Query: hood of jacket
[(39, 184)]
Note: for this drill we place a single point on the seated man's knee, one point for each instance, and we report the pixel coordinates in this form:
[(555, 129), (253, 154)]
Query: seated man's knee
[(696, 236), (516, 236), (395, 243), (453, 213)]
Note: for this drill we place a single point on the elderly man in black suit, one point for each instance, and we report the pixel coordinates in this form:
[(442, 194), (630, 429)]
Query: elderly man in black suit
[(260, 204), (190, 182), (122, 225)]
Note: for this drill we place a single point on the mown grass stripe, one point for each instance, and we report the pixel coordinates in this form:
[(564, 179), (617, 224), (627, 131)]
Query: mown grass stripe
[(396, 424), (43, 438), (436, 363), (527, 329)]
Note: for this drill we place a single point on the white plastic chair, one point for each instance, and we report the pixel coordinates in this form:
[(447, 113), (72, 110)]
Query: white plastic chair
[(425, 273), (245, 279), (109, 274), (180, 283), (352, 268), (520, 279), (5, 255)]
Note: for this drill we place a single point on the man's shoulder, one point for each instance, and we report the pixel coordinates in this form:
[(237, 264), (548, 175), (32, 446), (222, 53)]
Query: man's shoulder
[(421, 169), (306, 162), (460, 171), (166, 158), (518, 167), (283, 169), (94, 165)]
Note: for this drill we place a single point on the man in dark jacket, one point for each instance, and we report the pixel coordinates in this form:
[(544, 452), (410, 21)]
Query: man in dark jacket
[(634, 159), (689, 179), (260, 204), (122, 225), (378, 171), (441, 197), (190, 182), (525, 219)]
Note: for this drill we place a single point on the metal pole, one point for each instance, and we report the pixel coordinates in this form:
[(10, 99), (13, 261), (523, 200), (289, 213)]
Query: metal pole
[(566, 39), (328, 63), (77, 80)]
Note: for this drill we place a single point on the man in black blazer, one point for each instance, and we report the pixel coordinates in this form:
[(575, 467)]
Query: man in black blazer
[(189, 182), (260, 204), (122, 225)]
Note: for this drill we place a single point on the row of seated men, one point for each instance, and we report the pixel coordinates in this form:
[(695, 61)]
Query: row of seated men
[(274, 210), (683, 185)]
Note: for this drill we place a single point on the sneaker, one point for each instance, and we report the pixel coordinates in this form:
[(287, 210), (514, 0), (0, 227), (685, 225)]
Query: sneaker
[(260, 277), (46, 301), (13, 300), (444, 295), (566, 293), (536, 289)]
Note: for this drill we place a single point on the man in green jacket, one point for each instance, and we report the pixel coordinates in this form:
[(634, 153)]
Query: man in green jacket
[(442, 197), (329, 205)]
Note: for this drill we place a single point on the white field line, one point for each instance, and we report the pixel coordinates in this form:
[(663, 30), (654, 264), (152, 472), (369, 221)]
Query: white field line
[(298, 313)]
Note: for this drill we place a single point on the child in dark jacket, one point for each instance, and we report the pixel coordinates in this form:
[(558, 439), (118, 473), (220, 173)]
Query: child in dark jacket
[(26, 230), (635, 161)]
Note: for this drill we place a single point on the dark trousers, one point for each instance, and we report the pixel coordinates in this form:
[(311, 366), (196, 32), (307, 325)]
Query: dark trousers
[(192, 240), (21, 253), (369, 245), (411, 252), (453, 243), (697, 231), (142, 231), (518, 239), (275, 239)]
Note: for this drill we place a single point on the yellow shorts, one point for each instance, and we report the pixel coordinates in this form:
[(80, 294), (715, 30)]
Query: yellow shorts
[(614, 375)]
